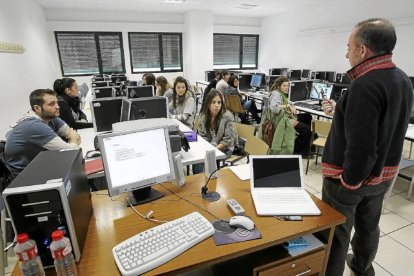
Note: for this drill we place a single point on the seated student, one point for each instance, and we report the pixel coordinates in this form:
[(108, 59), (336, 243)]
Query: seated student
[(233, 89), (149, 79), (217, 126), (69, 103), (163, 88), (222, 81), (210, 86), (279, 106), (182, 106), (40, 129)]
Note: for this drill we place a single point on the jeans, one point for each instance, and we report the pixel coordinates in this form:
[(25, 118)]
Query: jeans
[(362, 209)]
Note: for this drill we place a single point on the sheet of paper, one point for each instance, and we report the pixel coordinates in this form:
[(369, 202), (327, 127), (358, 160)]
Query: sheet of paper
[(242, 171)]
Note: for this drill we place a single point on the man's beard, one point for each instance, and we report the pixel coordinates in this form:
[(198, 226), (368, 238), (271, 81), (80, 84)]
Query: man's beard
[(49, 115)]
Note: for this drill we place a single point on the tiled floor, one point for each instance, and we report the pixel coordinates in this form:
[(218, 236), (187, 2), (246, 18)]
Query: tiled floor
[(395, 254)]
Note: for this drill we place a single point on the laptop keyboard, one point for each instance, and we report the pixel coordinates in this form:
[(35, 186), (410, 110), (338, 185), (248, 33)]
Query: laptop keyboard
[(281, 197), (315, 107)]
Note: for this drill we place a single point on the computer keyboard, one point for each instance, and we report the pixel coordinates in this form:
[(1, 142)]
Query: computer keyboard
[(315, 107), (158, 245)]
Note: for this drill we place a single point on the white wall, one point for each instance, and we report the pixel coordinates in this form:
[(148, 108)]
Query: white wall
[(316, 37), (23, 22)]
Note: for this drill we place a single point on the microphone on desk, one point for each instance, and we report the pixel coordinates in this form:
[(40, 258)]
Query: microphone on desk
[(209, 196)]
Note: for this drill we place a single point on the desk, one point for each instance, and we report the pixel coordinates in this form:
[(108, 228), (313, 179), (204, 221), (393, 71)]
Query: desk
[(112, 222), (313, 112)]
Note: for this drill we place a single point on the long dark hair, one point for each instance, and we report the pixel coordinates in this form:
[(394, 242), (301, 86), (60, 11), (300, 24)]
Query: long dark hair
[(278, 82), (60, 85), (231, 81), (179, 100), (211, 95)]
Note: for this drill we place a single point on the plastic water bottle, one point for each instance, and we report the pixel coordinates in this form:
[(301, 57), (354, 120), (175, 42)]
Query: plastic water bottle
[(26, 250), (62, 253)]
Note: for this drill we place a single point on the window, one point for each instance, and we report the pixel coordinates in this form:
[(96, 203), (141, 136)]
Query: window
[(87, 53), (234, 51), (155, 52)]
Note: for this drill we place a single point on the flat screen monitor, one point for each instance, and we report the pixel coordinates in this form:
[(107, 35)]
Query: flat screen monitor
[(100, 84), (140, 91), (337, 91), (117, 79), (295, 74), (279, 71), (135, 160), (103, 92), (105, 112), (320, 90), (144, 108), (298, 91), (305, 74), (209, 75), (320, 75), (330, 76), (244, 81), (256, 81)]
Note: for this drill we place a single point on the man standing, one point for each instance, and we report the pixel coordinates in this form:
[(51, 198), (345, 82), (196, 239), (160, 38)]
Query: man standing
[(40, 129), (364, 147)]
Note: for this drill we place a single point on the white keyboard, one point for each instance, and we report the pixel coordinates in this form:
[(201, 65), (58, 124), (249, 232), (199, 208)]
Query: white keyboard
[(158, 245)]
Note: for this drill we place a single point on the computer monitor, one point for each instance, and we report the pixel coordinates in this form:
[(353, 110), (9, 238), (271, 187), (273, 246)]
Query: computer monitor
[(117, 79), (103, 92), (144, 108), (320, 90), (209, 75), (117, 91), (135, 160), (279, 71), (305, 74), (298, 91), (320, 75), (105, 112), (295, 74), (100, 84), (330, 76), (244, 81), (140, 91), (256, 81), (337, 91)]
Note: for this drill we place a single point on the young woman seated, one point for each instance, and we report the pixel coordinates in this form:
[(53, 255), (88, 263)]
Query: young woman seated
[(182, 106), (163, 88), (249, 105)]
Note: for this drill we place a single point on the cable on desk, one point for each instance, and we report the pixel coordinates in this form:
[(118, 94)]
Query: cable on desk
[(147, 216)]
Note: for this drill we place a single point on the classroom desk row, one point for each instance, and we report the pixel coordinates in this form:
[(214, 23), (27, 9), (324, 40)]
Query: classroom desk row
[(112, 222)]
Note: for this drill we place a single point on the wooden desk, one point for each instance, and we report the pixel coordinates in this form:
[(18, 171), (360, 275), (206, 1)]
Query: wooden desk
[(112, 223)]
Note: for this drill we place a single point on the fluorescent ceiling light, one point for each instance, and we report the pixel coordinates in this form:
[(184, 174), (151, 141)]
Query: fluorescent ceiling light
[(173, 1)]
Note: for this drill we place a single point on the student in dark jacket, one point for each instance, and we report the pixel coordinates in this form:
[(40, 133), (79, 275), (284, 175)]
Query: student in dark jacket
[(69, 103), (211, 85)]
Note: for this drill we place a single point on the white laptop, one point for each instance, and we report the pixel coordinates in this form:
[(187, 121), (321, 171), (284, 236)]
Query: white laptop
[(277, 186)]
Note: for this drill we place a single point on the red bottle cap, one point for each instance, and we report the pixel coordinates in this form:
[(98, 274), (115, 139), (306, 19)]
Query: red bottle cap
[(57, 235), (22, 238)]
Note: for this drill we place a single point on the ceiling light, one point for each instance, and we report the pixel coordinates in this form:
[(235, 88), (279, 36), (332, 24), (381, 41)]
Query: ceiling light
[(173, 1), (248, 6)]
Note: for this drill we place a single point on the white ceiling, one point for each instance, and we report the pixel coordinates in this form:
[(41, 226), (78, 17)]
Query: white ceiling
[(218, 7)]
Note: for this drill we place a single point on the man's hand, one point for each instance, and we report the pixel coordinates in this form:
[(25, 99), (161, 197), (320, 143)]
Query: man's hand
[(73, 137), (328, 107)]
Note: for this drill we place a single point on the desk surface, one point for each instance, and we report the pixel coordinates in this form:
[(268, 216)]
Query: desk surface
[(112, 222)]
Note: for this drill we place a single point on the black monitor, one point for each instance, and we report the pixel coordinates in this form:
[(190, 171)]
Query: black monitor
[(140, 91), (117, 91), (100, 84), (338, 78), (105, 112), (337, 91), (305, 74), (295, 74), (257, 80), (117, 79), (279, 71), (209, 75), (136, 160), (320, 75), (244, 81), (298, 91), (144, 108), (320, 90), (330, 76), (103, 92)]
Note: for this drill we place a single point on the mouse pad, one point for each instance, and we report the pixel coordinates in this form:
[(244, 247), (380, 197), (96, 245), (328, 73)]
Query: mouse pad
[(226, 234)]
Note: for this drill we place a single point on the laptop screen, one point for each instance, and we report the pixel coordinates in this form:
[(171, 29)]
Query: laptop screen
[(276, 172)]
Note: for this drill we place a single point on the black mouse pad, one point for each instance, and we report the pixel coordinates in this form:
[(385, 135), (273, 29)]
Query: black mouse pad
[(226, 234)]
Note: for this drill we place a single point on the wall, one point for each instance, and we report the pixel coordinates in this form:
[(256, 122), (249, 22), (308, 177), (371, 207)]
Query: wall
[(23, 22), (316, 37)]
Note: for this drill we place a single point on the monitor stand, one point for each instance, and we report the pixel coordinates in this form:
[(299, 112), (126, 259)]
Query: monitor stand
[(142, 196)]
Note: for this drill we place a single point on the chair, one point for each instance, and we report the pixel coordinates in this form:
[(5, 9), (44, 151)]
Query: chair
[(196, 124), (243, 131), (322, 129), (233, 104), (254, 146)]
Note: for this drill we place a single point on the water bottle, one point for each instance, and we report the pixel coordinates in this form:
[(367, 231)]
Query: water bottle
[(26, 251), (62, 253)]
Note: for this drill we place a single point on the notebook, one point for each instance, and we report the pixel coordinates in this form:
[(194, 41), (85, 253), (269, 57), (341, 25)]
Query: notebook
[(277, 186)]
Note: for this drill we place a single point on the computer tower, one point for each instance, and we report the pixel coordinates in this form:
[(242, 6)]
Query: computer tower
[(51, 192), (105, 112)]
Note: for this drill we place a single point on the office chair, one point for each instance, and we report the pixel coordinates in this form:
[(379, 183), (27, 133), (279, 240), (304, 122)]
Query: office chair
[(233, 104), (253, 146), (321, 129), (243, 132)]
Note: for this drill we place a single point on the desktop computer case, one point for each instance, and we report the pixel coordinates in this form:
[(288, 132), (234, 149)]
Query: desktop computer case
[(51, 192)]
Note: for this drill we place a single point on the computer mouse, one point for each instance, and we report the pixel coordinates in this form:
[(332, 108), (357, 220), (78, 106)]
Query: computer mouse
[(242, 222), (93, 154)]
